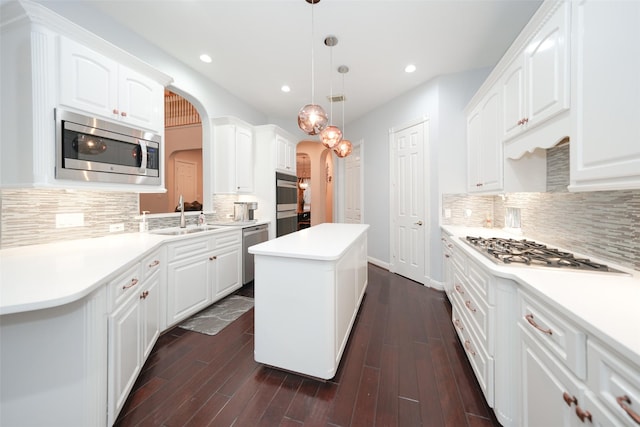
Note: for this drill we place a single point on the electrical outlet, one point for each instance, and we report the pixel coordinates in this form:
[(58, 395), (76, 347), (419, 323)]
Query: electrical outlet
[(116, 227), (68, 220)]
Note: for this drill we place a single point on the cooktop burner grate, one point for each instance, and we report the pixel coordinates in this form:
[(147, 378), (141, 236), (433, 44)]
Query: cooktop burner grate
[(530, 253)]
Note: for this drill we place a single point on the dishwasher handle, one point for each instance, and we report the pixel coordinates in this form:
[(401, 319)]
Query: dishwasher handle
[(250, 231)]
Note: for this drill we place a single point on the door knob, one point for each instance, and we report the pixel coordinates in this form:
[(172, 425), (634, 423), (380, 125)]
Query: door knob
[(418, 223)]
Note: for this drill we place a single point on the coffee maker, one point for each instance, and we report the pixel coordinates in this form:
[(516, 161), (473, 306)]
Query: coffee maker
[(243, 211)]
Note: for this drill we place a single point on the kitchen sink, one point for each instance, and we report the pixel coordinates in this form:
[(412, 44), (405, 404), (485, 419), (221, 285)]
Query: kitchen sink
[(177, 231)]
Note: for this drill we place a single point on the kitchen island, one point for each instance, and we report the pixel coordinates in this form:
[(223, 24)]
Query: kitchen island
[(308, 288)]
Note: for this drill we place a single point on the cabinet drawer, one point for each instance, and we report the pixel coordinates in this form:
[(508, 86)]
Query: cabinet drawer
[(478, 314), (188, 247), (615, 382), (224, 240), (123, 285), (554, 332), (459, 260), (480, 281), (481, 362), (152, 263)]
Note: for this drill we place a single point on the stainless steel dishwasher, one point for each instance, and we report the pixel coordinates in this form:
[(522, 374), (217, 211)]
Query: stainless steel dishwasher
[(251, 236)]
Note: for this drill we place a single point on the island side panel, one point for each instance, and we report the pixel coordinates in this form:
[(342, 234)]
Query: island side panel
[(294, 314)]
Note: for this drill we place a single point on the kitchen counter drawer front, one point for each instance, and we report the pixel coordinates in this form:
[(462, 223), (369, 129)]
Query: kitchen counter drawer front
[(225, 240), (480, 281), (188, 247), (124, 285), (616, 382), (478, 313), (555, 333), (152, 263), (459, 260), (481, 362)]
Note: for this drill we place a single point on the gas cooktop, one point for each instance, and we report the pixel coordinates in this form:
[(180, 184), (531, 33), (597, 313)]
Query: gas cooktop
[(530, 253)]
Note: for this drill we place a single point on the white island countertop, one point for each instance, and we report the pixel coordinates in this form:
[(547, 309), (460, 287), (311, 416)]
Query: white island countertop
[(604, 303), (324, 242)]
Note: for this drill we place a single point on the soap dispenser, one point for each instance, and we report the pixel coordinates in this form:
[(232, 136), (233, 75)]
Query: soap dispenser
[(202, 220), (144, 226)]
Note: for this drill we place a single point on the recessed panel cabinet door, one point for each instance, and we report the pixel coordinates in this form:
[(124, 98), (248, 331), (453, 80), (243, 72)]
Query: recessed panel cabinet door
[(188, 287), (605, 149), (226, 274), (140, 100)]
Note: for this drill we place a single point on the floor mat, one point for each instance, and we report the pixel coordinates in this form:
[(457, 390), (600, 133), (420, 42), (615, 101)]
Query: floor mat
[(212, 320)]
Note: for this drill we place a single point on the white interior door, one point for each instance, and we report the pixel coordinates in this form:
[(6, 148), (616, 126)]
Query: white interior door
[(353, 189), (408, 221), (185, 181)]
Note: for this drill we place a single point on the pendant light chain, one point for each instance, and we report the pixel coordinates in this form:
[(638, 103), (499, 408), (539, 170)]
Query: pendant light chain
[(313, 78)]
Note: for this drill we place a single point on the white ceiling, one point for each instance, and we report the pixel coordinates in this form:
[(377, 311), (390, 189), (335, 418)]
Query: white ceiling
[(259, 45)]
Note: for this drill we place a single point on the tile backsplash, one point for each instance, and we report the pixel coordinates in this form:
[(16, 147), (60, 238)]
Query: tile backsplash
[(601, 224)]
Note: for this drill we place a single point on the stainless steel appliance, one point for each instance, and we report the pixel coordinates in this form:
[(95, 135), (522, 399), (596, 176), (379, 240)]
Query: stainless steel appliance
[(243, 211), (89, 149), (251, 236), (286, 204), (530, 253)]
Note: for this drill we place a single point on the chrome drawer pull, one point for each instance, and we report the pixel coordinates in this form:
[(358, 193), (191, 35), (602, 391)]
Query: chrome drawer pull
[(533, 323), (154, 263), (133, 282), (624, 403), (468, 304)]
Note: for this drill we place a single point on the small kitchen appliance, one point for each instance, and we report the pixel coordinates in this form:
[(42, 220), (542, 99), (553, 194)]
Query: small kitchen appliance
[(530, 253)]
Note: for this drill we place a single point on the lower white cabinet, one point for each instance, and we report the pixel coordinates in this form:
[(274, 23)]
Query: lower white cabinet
[(134, 326), (202, 270), (568, 378)]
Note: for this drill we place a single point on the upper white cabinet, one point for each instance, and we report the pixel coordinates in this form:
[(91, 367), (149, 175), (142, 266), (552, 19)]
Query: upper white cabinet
[(536, 85), (93, 83), (233, 152), (605, 144), (483, 144), (285, 155)]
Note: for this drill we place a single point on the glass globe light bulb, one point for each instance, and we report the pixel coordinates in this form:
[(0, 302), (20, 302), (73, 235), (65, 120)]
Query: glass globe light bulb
[(312, 119), (330, 136), (344, 148)]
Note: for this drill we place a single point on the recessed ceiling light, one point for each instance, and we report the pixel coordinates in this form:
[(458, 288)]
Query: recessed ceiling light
[(205, 58), (409, 68), (285, 89)]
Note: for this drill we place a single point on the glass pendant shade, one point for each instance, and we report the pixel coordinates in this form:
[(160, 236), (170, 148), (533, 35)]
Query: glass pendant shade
[(343, 149), (312, 119), (330, 136)]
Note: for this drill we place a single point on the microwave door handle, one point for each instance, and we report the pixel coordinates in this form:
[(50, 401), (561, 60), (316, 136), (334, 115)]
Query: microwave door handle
[(143, 150)]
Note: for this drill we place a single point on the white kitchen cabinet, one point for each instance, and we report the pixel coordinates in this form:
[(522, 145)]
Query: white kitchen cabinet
[(97, 85), (605, 144), (233, 157), (484, 146), (536, 85), (134, 326), (285, 155), (200, 271)]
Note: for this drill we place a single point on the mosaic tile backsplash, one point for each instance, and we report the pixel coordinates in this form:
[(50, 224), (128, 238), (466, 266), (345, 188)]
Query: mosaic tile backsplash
[(600, 224)]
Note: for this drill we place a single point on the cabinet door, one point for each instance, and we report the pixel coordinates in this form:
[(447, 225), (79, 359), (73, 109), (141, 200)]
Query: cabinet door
[(605, 153), (88, 80), (545, 386), (244, 160), (474, 130), (513, 98), (188, 287), (125, 360), (547, 69), (490, 155), (226, 272), (285, 155), (140, 100), (150, 313)]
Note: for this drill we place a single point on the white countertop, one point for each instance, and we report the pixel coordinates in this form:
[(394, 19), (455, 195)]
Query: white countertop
[(605, 304), (43, 276), (326, 242)]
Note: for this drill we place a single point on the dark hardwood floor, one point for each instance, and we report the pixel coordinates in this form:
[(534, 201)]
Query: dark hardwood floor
[(403, 366)]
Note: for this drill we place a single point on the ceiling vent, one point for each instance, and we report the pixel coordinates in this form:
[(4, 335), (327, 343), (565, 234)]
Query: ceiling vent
[(336, 98)]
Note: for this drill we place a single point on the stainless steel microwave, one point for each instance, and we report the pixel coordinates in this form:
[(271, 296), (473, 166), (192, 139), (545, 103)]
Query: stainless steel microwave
[(90, 149)]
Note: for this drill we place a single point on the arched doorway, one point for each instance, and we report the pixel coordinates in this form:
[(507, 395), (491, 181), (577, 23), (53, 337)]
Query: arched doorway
[(320, 180)]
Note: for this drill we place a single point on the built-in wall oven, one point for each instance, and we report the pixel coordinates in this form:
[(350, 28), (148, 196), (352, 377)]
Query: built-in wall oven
[(286, 204)]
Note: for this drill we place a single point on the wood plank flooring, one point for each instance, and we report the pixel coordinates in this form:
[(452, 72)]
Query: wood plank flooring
[(403, 366)]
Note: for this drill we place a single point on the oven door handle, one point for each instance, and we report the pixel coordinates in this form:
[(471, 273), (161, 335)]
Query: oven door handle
[(286, 214), (143, 151), (286, 184)]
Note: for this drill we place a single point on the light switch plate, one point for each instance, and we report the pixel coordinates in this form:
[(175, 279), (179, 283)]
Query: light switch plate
[(68, 220)]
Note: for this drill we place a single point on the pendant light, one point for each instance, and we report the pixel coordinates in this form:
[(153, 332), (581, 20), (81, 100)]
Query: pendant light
[(344, 147), (331, 135), (312, 118)]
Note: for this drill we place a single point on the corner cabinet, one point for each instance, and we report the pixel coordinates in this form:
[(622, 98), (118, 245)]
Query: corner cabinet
[(93, 83), (233, 156), (605, 149)]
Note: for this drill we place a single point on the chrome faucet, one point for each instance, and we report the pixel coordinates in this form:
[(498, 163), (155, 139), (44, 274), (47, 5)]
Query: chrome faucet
[(183, 223)]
